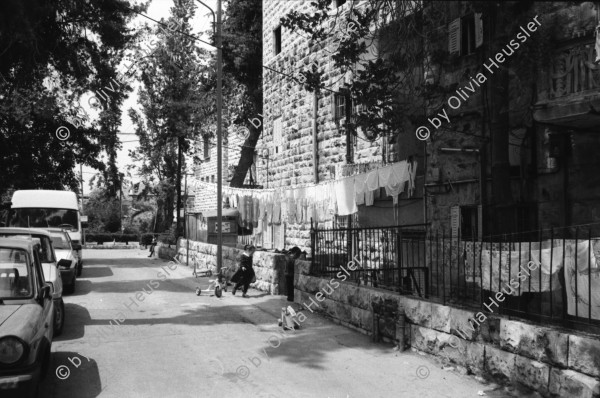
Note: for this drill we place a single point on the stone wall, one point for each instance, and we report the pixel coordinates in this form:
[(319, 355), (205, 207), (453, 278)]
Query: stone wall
[(554, 362), (164, 251), (269, 267)]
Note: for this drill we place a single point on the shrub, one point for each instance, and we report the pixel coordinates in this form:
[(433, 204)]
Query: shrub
[(146, 239)]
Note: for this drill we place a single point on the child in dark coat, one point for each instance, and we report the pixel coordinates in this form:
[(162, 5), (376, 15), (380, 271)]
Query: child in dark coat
[(245, 273)]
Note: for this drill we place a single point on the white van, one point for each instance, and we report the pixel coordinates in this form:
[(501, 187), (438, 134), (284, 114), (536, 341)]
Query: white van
[(48, 209)]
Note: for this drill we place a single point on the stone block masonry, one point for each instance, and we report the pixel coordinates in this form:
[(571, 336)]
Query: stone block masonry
[(268, 267), (288, 110), (554, 362)]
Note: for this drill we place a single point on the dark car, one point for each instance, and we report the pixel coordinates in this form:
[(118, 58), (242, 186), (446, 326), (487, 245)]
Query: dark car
[(42, 241), (26, 319)]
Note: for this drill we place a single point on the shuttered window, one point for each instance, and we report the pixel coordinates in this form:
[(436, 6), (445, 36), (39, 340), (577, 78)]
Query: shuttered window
[(454, 36)]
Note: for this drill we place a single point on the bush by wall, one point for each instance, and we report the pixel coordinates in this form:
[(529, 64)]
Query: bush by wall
[(100, 238)]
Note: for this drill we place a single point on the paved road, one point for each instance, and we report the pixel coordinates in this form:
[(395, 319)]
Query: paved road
[(171, 343)]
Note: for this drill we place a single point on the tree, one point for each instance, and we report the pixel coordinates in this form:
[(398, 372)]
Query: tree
[(242, 69), (171, 103), (77, 45), (103, 212)]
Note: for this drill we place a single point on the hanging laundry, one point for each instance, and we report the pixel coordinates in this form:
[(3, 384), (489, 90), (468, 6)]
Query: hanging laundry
[(397, 180), (384, 176), (369, 198), (579, 278), (360, 188), (277, 209), (346, 199), (255, 212), (372, 181)]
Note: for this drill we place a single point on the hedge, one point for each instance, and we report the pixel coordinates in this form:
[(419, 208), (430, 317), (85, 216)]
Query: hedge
[(100, 238)]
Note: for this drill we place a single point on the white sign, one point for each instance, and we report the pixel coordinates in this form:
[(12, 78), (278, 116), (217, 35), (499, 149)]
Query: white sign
[(83, 218)]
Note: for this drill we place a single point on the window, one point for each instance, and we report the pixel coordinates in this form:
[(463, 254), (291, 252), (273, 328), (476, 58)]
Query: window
[(44, 218), (277, 134), (341, 106), (277, 40), (470, 222), (206, 148), (465, 34), (467, 37), (212, 178)]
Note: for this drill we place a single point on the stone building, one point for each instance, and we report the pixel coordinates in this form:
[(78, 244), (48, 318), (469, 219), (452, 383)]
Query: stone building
[(552, 122), (206, 169), (305, 133)]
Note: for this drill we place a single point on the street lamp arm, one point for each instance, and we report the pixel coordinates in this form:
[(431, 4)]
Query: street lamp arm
[(213, 15)]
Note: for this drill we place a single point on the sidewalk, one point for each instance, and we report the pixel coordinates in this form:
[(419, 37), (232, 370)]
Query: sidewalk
[(322, 358)]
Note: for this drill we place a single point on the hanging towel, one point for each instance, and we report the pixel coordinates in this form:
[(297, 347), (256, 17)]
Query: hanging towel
[(360, 183), (360, 198), (346, 198), (255, 212), (291, 206), (384, 176), (397, 180), (372, 182), (270, 210), (369, 197), (277, 209)]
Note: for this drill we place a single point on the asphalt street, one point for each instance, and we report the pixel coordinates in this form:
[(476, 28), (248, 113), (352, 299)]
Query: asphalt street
[(168, 342)]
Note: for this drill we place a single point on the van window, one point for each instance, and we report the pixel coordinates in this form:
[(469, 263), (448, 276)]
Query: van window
[(43, 218), (61, 242)]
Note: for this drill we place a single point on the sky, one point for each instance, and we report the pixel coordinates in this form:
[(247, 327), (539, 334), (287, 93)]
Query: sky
[(158, 9)]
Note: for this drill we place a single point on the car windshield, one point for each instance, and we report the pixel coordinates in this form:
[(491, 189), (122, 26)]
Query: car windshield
[(15, 278), (43, 218), (42, 242), (60, 242)]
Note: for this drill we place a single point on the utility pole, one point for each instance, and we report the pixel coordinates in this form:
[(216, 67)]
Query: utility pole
[(219, 141), (218, 43), (121, 202)]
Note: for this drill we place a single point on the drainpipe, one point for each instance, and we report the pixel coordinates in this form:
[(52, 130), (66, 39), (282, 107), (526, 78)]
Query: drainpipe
[(315, 142)]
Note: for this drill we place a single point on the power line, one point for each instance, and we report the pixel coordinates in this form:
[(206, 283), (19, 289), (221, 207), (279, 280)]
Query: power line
[(178, 31)]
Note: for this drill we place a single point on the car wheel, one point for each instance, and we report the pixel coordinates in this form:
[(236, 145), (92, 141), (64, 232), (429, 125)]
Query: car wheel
[(59, 318)]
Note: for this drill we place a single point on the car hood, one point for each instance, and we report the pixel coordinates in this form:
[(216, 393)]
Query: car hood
[(19, 320)]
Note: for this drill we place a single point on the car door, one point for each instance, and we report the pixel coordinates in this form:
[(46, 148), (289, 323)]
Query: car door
[(50, 267), (46, 326)]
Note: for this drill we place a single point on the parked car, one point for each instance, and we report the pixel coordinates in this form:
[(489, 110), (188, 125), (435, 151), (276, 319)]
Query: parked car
[(75, 248), (66, 253), (26, 319), (42, 241)]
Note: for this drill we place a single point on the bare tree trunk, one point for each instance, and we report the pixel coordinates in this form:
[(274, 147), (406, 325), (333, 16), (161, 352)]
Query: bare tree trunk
[(246, 157)]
